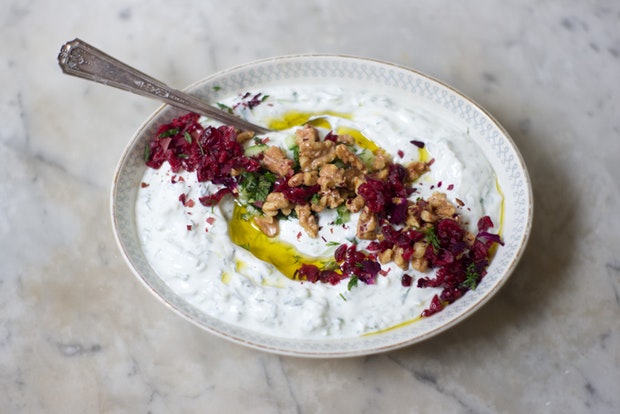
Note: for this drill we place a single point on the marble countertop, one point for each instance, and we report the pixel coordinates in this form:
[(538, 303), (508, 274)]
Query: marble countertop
[(80, 334)]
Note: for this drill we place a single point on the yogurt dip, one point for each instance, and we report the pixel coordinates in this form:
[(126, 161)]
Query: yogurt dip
[(191, 246)]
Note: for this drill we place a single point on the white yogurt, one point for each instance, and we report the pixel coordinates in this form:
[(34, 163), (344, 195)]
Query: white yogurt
[(190, 249)]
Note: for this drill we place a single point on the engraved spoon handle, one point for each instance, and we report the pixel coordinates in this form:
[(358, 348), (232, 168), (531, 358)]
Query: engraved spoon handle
[(78, 58)]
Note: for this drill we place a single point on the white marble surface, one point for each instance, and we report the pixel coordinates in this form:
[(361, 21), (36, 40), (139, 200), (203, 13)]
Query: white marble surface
[(80, 334)]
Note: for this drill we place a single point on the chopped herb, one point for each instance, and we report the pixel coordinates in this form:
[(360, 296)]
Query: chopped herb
[(250, 212), (352, 282), (187, 137), (316, 198), (217, 88), (471, 277), (332, 244), (431, 238), (147, 152), (343, 297), (295, 150), (330, 265), (225, 107), (255, 187), (169, 133), (343, 214)]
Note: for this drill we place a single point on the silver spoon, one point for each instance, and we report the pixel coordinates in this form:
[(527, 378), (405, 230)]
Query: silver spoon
[(78, 58)]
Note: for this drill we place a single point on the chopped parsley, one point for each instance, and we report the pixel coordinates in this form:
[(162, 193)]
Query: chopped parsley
[(188, 137), (225, 107), (431, 238), (471, 277), (169, 133), (343, 215), (255, 187), (352, 282)]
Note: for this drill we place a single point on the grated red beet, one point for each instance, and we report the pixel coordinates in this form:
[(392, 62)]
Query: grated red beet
[(460, 268), (298, 195), (212, 152)]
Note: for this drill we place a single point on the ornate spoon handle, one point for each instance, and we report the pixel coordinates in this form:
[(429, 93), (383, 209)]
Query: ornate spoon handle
[(78, 58)]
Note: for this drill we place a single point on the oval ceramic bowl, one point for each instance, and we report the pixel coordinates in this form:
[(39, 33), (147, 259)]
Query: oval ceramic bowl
[(386, 79)]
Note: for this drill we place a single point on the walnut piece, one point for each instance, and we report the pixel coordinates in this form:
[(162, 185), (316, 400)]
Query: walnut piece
[(307, 220), (276, 161)]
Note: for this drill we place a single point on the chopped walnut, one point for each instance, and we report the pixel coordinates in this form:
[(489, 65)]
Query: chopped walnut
[(345, 139), (354, 178), (416, 169), (441, 205), (367, 225), (332, 198), (355, 204), (330, 176), (385, 256), (428, 217), (420, 264), (244, 136), (307, 178), (381, 160), (313, 153), (268, 225), (307, 220), (276, 202), (348, 157), (399, 260), (276, 161)]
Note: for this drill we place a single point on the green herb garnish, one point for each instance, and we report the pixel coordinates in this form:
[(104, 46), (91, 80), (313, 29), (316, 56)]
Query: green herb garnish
[(225, 107), (431, 238), (255, 187), (471, 277), (352, 282), (187, 137), (169, 133), (343, 214), (147, 152)]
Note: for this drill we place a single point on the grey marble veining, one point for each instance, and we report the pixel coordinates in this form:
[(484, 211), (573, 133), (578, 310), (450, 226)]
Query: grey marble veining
[(79, 333)]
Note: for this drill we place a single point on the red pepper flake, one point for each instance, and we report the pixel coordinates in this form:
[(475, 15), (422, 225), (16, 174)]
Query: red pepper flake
[(210, 220), (190, 203), (265, 140), (189, 227), (417, 143), (144, 185), (400, 153), (431, 162), (451, 187), (460, 202), (439, 184), (406, 280), (298, 235)]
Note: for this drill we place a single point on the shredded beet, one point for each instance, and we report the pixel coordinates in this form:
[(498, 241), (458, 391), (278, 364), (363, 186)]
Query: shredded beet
[(297, 195), (212, 152), (460, 268)]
